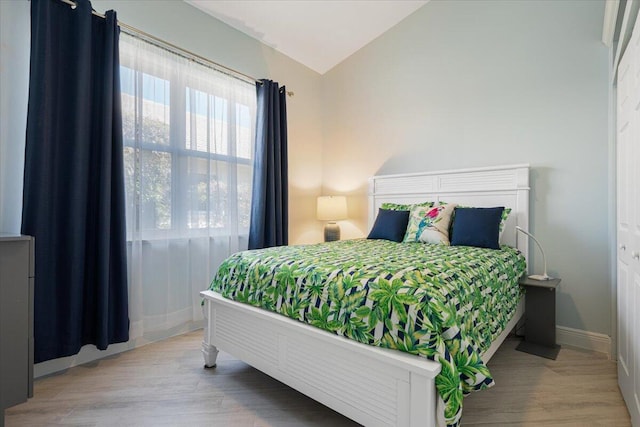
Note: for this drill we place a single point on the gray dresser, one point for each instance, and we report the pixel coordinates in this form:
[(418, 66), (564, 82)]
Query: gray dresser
[(16, 320)]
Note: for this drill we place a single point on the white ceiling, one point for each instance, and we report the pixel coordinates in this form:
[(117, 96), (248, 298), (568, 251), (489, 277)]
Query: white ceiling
[(319, 34)]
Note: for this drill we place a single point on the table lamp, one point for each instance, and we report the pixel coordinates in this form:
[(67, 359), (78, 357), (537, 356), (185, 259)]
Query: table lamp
[(545, 276), (332, 209)]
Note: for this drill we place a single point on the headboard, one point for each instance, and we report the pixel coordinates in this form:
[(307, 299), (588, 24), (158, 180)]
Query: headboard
[(506, 186)]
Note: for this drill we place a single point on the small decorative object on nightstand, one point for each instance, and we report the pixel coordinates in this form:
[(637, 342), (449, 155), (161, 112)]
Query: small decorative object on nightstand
[(332, 209), (540, 315)]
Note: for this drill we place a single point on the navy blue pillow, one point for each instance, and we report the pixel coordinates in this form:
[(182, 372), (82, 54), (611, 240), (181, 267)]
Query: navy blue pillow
[(390, 225), (478, 227)]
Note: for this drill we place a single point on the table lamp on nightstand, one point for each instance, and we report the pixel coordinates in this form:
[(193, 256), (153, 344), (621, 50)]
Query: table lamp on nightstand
[(544, 276), (332, 209)]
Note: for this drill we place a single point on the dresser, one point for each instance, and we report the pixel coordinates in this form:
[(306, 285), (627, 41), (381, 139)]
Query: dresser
[(16, 320)]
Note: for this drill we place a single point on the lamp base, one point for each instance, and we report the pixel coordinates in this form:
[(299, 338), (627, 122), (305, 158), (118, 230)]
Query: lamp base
[(540, 277), (331, 232)]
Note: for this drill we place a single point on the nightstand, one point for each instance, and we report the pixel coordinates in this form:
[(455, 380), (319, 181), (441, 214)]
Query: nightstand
[(540, 315)]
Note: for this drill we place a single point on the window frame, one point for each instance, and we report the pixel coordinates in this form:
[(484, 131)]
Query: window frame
[(179, 83)]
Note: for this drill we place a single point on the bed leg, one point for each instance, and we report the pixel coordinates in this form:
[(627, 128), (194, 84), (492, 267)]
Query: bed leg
[(210, 353)]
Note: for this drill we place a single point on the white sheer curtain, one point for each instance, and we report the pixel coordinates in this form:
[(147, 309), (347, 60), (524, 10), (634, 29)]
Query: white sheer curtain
[(188, 136)]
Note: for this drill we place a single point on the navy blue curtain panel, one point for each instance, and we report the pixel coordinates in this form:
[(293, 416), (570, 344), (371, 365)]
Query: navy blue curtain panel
[(269, 202), (73, 200)]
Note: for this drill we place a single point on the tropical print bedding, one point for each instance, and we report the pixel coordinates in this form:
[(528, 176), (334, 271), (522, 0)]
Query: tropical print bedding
[(445, 303)]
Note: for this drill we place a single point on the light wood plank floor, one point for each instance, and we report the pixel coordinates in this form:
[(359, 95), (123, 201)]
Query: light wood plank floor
[(164, 384)]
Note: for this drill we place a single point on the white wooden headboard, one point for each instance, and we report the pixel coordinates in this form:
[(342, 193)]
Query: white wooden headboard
[(506, 186)]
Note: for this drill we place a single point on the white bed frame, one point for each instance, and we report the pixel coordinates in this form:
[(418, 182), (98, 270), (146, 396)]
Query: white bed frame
[(371, 385)]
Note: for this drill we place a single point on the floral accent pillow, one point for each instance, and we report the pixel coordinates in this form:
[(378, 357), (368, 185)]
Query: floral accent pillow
[(503, 220), (429, 224), (438, 230), (403, 207)]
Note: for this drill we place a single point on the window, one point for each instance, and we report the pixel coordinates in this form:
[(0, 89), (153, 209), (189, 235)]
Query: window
[(188, 137)]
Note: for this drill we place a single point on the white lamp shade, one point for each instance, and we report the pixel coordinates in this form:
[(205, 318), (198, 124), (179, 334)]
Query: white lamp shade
[(332, 208)]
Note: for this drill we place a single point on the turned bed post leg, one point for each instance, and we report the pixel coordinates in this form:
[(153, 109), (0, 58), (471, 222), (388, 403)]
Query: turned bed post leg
[(209, 351)]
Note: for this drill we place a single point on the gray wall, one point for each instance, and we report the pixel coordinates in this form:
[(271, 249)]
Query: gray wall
[(464, 84)]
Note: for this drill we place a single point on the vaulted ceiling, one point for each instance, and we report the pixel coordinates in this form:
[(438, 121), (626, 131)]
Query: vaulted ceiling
[(318, 34)]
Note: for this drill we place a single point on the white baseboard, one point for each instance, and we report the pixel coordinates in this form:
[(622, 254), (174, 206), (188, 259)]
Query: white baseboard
[(584, 339), (90, 353)]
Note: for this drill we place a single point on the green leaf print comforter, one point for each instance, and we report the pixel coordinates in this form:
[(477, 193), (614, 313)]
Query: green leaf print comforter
[(445, 303)]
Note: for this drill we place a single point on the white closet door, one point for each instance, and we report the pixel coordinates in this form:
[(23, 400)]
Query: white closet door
[(628, 225)]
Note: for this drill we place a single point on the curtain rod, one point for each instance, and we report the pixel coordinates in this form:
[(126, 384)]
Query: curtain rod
[(190, 55)]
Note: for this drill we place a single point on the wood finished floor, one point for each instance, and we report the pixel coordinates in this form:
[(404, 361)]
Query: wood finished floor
[(164, 384)]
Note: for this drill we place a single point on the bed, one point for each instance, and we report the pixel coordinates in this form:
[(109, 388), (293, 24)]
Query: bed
[(371, 385)]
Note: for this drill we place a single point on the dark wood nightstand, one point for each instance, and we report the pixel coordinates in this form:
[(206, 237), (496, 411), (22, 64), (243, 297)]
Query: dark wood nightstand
[(540, 315)]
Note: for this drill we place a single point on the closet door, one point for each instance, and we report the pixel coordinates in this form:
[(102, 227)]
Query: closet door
[(628, 225)]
